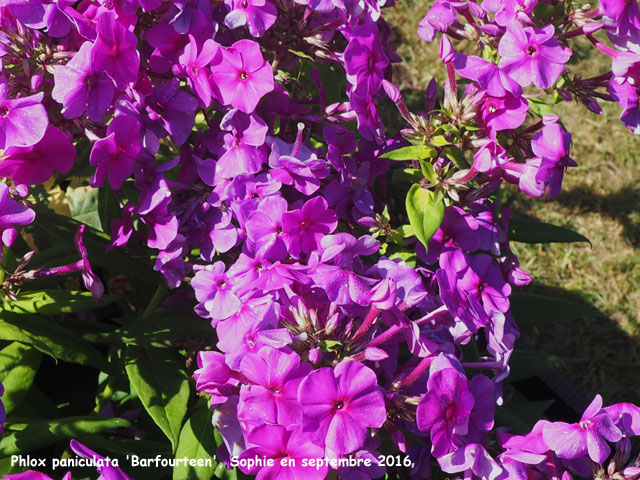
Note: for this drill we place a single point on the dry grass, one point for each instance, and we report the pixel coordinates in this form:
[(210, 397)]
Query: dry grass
[(601, 200)]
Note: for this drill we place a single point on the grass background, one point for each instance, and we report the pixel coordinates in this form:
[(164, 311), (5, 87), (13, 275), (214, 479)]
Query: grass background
[(600, 199)]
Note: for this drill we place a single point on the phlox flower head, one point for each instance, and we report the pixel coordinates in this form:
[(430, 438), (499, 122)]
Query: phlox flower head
[(213, 290), (587, 437), (242, 77), (364, 59), (440, 17), (339, 404), (36, 163), (532, 55)]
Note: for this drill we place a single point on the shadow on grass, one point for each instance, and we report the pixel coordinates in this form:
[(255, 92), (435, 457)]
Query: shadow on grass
[(623, 206), (595, 355)]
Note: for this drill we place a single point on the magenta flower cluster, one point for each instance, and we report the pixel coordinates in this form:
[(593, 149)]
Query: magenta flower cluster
[(263, 192)]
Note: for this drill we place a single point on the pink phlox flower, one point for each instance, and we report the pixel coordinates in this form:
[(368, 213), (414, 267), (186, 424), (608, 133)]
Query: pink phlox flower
[(271, 395), (115, 51), (116, 154), (213, 290), (214, 377), (532, 55), (243, 138), (78, 87), (587, 437), (444, 410), (242, 77), (36, 163), (23, 120), (258, 15), (12, 214), (196, 66), (280, 444), (307, 226), (340, 404), (471, 459)]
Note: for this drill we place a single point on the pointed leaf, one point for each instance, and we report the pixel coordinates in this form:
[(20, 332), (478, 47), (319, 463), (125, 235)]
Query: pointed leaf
[(56, 302), (31, 434), (414, 152), (158, 377), (197, 443), (18, 366), (50, 338), (426, 211)]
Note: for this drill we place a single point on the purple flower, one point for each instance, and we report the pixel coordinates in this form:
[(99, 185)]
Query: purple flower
[(33, 475), (532, 55), (213, 291), (343, 287), (214, 377), (588, 436), (339, 405), (244, 151), (626, 95), (107, 470), (116, 154), (626, 417), (364, 60), (551, 145), (174, 109), (35, 164), (265, 228), (115, 51), (307, 226), (440, 17), (297, 165), (195, 65), (243, 77), (471, 458), (280, 444), (506, 113), (248, 331), (445, 409), (622, 19), (258, 15), (78, 87), (90, 279), (23, 120), (272, 394), (12, 213), (487, 75)]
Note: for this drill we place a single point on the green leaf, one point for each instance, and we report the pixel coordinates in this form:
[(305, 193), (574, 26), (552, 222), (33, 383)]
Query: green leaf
[(196, 442), (40, 433), (532, 231), (414, 152), (50, 338), (108, 206), (83, 205), (426, 211), (406, 175), (531, 310), (56, 302), (18, 366), (158, 377), (525, 364), (540, 108)]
